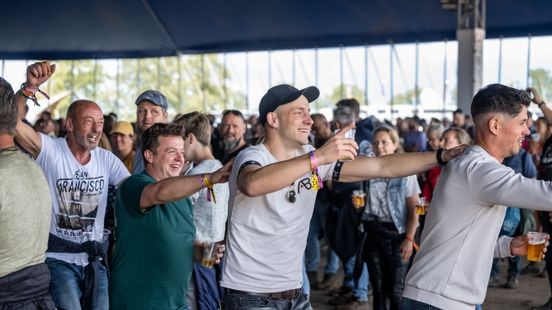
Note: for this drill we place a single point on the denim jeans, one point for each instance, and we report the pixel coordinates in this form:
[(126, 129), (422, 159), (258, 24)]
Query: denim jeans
[(514, 267), (410, 304), (306, 283), (316, 232), (239, 301), (360, 290), (67, 284)]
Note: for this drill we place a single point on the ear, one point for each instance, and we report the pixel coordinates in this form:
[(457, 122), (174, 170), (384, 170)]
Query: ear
[(191, 138), (148, 155), (272, 119), (494, 125), (69, 124)]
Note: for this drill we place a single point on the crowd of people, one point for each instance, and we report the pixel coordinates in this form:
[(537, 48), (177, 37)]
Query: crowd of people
[(100, 213)]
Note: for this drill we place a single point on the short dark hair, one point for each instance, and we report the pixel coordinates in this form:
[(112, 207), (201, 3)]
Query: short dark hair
[(498, 98), (233, 112), (150, 137), (352, 103), (8, 108)]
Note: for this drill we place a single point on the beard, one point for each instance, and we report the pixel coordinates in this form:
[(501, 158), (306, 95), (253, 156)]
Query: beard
[(228, 146)]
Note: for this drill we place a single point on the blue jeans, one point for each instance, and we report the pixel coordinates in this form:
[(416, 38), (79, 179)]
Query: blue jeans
[(316, 232), (410, 304), (360, 290), (238, 301), (67, 283), (306, 283)]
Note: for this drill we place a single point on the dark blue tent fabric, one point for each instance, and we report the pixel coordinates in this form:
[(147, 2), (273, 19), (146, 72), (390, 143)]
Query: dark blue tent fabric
[(76, 29)]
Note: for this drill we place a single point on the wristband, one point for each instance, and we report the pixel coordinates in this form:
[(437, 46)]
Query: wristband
[(210, 192), (439, 158), (540, 104), (316, 180), (30, 93)]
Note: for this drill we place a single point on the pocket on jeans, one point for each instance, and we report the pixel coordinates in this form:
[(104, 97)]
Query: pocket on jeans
[(254, 302)]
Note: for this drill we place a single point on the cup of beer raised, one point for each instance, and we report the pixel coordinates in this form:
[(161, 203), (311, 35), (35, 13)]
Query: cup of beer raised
[(358, 198), (349, 134), (209, 256), (421, 206), (535, 248)]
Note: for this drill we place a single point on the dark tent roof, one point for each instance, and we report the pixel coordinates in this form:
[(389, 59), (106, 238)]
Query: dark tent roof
[(73, 29)]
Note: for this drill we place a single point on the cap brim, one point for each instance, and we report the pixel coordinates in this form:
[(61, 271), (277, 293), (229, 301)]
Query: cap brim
[(311, 93)]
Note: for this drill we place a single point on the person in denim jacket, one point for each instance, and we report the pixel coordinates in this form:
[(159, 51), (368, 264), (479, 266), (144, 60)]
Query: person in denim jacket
[(390, 221)]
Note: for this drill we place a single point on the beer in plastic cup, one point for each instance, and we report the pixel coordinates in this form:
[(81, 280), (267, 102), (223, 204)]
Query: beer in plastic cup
[(421, 206), (349, 134), (209, 257), (535, 248), (358, 198)]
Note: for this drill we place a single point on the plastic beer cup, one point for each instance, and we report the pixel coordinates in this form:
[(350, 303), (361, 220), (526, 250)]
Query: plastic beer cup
[(421, 206), (536, 246), (208, 259), (349, 134), (358, 198)]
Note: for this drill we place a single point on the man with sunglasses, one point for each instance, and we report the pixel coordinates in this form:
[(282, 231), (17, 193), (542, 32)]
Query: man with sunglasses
[(232, 130), (273, 188)]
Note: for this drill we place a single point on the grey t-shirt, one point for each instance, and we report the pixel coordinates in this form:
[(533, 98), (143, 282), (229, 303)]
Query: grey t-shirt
[(25, 212)]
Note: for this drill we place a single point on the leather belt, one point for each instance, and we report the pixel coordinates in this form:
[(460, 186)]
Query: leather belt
[(288, 295)]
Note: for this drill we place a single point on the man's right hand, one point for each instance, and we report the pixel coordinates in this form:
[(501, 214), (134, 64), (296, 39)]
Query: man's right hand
[(38, 73), (337, 147)]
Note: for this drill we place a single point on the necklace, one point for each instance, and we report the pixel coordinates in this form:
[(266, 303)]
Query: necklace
[(291, 196)]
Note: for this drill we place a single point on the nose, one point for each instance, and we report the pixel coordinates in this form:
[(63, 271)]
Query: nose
[(308, 120)]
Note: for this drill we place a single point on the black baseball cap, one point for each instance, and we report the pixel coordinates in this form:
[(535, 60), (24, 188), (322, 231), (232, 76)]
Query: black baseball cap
[(282, 94)]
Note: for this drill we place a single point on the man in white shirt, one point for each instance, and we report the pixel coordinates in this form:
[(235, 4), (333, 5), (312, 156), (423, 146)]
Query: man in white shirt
[(452, 267), (272, 193), (78, 174)]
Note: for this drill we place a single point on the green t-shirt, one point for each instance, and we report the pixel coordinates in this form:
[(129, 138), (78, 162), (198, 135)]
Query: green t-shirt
[(152, 260)]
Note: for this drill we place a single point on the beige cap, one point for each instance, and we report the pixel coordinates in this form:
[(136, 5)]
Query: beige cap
[(124, 128)]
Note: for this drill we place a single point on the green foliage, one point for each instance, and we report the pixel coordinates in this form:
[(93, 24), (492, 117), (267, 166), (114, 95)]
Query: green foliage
[(190, 83)]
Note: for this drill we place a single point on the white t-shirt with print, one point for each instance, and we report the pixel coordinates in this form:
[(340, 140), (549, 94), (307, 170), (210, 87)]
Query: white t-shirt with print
[(79, 192), (267, 234), (210, 217)]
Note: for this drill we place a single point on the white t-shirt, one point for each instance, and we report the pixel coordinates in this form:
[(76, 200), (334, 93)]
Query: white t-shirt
[(210, 218), (267, 234), (79, 193)]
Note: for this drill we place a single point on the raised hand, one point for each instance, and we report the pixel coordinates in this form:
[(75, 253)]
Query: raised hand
[(38, 73), (536, 98), (337, 147)]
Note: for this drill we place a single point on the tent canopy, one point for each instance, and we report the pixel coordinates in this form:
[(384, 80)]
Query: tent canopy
[(78, 29)]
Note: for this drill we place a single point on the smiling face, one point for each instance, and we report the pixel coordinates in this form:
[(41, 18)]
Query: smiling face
[(148, 114), (168, 158), (85, 125), (294, 121), (512, 133), (384, 144)]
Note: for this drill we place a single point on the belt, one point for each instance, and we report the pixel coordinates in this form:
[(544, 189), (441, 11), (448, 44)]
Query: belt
[(288, 295)]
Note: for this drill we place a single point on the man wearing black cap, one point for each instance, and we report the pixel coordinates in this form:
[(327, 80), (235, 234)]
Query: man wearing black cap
[(151, 108), (272, 192)]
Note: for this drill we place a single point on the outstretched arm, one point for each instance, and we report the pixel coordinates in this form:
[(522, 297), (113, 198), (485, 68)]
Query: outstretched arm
[(255, 180), (175, 188), (26, 137), (395, 165)]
